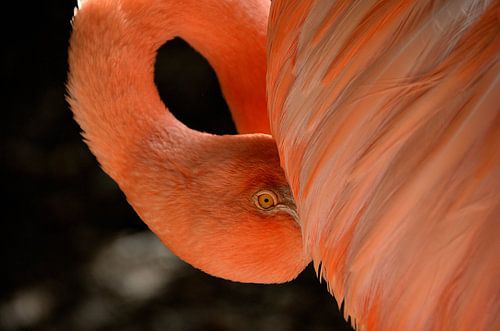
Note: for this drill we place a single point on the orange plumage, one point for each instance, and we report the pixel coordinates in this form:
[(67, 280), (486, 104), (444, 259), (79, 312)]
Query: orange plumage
[(198, 192), (387, 120)]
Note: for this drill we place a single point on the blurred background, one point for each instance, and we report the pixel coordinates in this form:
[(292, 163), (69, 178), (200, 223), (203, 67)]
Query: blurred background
[(74, 254)]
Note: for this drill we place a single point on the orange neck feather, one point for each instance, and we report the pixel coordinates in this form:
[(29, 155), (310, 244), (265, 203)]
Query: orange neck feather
[(190, 188)]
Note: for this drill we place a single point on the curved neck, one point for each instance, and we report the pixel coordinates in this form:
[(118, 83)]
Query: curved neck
[(111, 61), (194, 190)]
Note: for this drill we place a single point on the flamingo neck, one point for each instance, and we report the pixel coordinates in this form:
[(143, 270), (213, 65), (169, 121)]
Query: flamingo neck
[(194, 190), (111, 59)]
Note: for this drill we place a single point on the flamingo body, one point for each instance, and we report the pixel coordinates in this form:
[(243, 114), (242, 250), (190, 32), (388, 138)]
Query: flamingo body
[(387, 120)]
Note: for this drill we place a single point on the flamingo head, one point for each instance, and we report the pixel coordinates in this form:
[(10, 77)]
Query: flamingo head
[(225, 207)]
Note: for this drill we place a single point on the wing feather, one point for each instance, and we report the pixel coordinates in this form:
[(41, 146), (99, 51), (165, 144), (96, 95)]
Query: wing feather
[(387, 118)]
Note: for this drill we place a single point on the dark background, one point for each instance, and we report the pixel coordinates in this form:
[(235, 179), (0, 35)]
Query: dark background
[(74, 254)]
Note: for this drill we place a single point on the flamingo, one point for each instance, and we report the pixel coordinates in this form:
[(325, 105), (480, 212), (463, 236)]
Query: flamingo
[(396, 170), (220, 203), (386, 125)]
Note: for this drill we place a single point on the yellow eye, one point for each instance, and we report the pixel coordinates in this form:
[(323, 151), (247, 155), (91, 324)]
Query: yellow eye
[(265, 200)]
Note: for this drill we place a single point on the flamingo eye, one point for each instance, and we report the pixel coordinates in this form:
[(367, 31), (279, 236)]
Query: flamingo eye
[(265, 199)]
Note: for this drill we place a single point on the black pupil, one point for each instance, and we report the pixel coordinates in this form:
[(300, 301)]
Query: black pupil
[(266, 200)]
